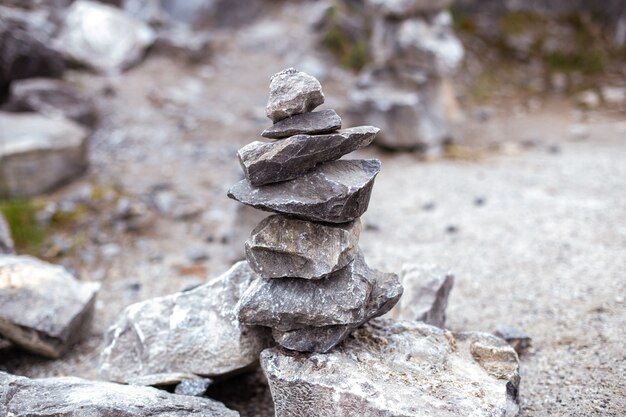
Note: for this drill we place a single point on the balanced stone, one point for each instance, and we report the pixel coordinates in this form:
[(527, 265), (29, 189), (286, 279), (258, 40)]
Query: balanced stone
[(281, 247), (265, 163), (292, 92), (295, 303), (335, 192), (322, 121)]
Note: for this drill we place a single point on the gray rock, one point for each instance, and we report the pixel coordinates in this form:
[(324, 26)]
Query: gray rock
[(294, 303), (389, 368), (43, 308), (39, 153), (6, 242), (322, 121), (74, 397), (282, 246), (265, 163), (160, 380), (81, 37), (517, 338), (426, 292), (194, 332), (193, 387), (385, 294), (335, 192), (292, 92), (52, 98), (407, 8)]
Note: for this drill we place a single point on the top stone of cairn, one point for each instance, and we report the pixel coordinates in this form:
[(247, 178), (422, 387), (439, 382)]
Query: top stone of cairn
[(292, 92)]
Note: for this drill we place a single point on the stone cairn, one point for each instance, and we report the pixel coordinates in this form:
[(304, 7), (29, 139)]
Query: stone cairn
[(314, 286)]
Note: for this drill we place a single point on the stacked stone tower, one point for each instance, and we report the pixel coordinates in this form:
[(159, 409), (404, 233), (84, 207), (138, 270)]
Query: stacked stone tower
[(314, 286)]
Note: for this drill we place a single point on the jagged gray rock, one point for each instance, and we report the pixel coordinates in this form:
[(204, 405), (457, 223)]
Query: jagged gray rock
[(292, 92), (388, 368), (265, 163), (193, 387), (43, 308), (335, 192), (322, 121), (75, 397), (426, 292), (385, 294), (193, 332), (294, 303), (282, 246), (6, 242)]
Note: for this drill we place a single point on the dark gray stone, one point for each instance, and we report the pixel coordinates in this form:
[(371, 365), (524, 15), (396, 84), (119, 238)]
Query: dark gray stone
[(265, 163), (388, 368), (282, 247), (515, 337), (74, 397), (292, 92), (322, 121), (6, 242), (193, 387), (43, 308), (335, 192)]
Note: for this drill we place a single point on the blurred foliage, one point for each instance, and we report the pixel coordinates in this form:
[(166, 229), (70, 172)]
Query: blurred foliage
[(27, 232), (347, 42)]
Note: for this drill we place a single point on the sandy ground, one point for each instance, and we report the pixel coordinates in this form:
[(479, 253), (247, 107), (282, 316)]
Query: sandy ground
[(531, 219)]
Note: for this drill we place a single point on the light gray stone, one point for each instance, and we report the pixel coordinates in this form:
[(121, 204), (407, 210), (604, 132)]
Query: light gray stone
[(160, 380), (407, 8), (43, 308), (102, 37), (426, 292), (282, 247), (74, 397), (322, 121), (38, 153), (265, 163), (388, 368), (292, 92), (194, 332), (335, 192), (6, 242), (193, 387)]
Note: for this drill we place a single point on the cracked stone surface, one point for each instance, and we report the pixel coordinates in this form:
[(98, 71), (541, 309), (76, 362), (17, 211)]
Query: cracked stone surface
[(292, 92), (282, 160), (335, 192), (193, 332), (311, 123), (43, 308), (397, 368), (282, 246), (75, 397)]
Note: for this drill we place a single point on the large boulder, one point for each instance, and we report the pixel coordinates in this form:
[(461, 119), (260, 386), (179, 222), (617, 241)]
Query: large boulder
[(6, 242), (38, 153), (388, 368), (193, 332), (74, 397), (43, 308)]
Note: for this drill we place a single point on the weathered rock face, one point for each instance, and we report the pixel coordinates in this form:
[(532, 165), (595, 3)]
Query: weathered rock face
[(102, 37), (43, 308), (265, 163), (74, 397), (6, 242), (426, 292), (322, 121), (192, 332), (389, 368), (39, 153), (335, 192), (292, 92), (51, 98), (282, 247), (406, 8)]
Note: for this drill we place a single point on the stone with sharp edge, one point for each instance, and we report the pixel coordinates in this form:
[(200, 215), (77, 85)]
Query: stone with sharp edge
[(322, 121), (292, 92)]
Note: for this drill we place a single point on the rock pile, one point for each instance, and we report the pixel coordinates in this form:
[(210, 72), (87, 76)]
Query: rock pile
[(407, 89), (314, 286)]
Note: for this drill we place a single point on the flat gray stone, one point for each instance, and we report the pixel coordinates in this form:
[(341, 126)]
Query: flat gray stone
[(322, 121), (43, 308), (6, 242), (193, 387), (39, 153), (283, 246), (265, 163), (335, 192), (294, 303), (160, 380), (194, 332), (388, 368), (75, 397), (385, 294), (292, 92), (426, 292)]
